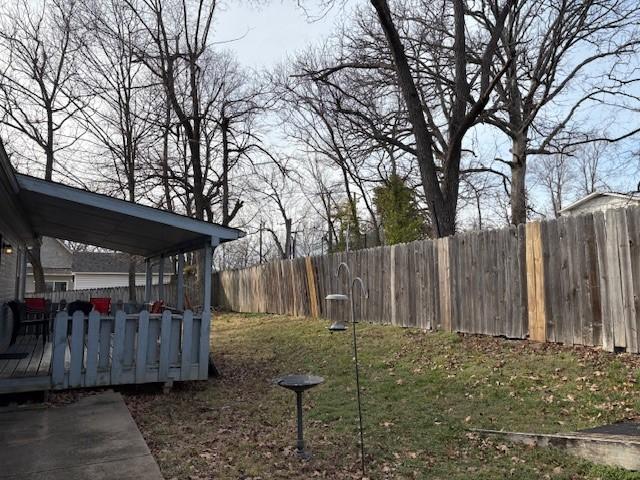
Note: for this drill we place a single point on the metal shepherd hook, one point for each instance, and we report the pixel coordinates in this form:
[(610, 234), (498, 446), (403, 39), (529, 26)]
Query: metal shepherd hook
[(364, 294)]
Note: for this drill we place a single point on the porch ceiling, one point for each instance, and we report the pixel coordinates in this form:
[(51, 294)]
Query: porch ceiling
[(68, 213)]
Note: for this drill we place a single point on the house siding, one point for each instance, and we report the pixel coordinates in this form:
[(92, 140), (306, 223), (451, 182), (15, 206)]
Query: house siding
[(55, 255), (30, 286), (8, 276), (83, 281), (600, 203)]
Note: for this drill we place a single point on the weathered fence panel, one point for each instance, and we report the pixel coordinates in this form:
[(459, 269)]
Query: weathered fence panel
[(574, 280)]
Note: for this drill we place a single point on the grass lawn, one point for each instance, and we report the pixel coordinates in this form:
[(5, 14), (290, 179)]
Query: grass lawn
[(421, 393)]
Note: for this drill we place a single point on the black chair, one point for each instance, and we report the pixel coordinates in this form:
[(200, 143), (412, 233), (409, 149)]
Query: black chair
[(79, 305)]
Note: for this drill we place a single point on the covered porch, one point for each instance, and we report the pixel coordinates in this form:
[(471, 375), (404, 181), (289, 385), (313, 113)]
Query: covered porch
[(117, 347)]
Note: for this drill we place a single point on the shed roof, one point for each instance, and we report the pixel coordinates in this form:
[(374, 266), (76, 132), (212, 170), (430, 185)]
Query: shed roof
[(36, 207), (623, 196)]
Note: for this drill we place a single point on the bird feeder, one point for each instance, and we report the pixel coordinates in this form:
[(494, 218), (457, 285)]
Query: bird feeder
[(337, 308)]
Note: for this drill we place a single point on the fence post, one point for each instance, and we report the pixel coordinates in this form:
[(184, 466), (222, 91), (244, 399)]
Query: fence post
[(148, 280), (313, 292), (180, 288), (444, 279), (535, 283)]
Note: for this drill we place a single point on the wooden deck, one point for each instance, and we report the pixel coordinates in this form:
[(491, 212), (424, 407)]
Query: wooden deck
[(37, 362), (101, 351), (30, 373)]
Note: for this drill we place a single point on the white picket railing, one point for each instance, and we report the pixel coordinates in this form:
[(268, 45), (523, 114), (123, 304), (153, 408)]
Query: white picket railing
[(127, 349)]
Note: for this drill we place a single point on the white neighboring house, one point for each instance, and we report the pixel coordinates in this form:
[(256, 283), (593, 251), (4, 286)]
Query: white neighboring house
[(66, 270), (600, 201)]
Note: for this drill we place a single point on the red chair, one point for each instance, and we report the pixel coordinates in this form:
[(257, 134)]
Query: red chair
[(101, 304), (36, 305), (157, 306), (37, 317)]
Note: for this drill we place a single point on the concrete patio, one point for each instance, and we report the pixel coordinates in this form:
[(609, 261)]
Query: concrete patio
[(94, 438)]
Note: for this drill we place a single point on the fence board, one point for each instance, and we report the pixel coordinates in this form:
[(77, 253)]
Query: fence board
[(187, 334), (445, 284), (535, 283), (117, 359), (59, 347), (616, 297), (77, 350), (633, 226), (141, 349), (165, 346), (93, 337)]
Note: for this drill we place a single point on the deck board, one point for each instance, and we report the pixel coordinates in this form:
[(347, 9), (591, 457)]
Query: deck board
[(44, 367), (22, 344)]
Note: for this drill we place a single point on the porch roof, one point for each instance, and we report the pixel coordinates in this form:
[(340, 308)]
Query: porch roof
[(34, 207)]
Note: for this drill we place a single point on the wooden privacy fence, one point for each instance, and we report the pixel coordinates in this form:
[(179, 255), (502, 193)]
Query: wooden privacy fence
[(126, 349), (573, 280), (169, 294)]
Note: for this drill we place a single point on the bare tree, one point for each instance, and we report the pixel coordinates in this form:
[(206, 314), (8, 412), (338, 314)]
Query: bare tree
[(313, 118), (560, 59), (462, 107), (591, 171), (39, 49), (555, 175), (120, 115), (445, 77)]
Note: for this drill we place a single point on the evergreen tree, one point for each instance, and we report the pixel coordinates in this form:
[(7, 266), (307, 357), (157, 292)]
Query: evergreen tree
[(396, 205)]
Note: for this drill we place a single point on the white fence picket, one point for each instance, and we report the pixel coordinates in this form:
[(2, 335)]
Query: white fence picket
[(187, 335), (141, 352), (59, 346), (93, 336), (117, 358), (77, 350), (130, 342), (203, 357), (165, 346)]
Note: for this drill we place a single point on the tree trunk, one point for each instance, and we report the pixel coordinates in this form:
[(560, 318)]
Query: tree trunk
[(165, 159), (38, 270), (287, 243), (132, 278), (518, 179), (442, 219), (225, 171)]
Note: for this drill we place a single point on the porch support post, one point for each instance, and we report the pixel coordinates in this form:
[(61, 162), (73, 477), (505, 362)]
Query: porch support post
[(147, 281), (205, 362), (161, 278), (23, 274), (180, 289), (208, 258), (16, 293)]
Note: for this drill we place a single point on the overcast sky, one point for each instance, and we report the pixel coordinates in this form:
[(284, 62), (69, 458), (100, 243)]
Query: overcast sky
[(269, 32)]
